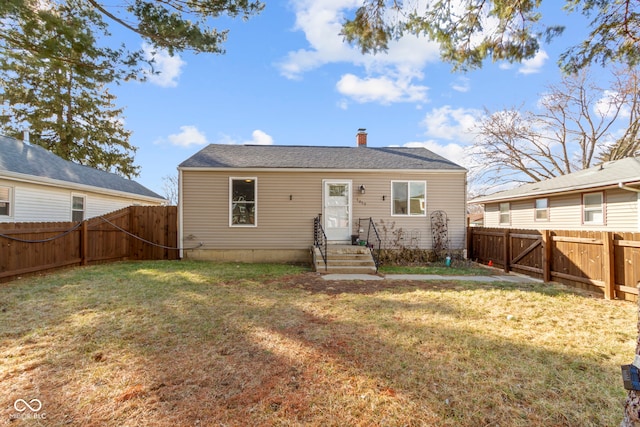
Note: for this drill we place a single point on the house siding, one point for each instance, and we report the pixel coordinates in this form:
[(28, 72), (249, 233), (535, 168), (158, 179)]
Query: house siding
[(565, 212), (288, 201), (42, 203)]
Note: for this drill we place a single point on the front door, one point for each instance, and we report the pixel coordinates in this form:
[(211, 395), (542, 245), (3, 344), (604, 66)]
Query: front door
[(337, 210)]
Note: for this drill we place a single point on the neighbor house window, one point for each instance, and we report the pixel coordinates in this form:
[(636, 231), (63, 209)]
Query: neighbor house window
[(77, 208), (505, 214), (542, 209), (409, 198), (242, 203), (592, 208), (5, 201)]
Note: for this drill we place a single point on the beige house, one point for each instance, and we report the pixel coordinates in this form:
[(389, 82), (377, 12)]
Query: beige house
[(605, 197), (38, 186), (258, 203)]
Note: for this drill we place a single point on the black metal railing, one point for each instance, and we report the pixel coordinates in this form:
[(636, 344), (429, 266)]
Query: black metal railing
[(320, 238), (374, 243)]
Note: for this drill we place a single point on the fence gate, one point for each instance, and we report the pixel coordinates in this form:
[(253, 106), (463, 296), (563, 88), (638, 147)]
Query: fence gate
[(604, 260)]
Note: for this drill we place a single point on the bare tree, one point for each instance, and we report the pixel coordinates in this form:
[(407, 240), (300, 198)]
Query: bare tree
[(170, 188), (626, 85), (578, 124)]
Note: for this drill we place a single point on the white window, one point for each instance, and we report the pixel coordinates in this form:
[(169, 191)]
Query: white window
[(242, 202), (542, 210), (505, 214), (592, 208), (5, 201), (77, 208), (409, 198)]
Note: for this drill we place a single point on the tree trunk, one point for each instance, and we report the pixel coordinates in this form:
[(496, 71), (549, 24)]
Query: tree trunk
[(632, 404)]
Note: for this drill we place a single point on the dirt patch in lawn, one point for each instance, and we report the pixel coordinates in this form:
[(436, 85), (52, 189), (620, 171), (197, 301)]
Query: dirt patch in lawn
[(315, 283)]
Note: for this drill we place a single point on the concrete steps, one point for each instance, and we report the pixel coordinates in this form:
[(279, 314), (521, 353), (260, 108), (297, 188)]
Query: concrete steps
[(344, 259)]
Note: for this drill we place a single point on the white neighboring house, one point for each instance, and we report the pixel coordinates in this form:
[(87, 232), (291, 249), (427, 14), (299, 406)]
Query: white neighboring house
[(602, 198), (38, 186)]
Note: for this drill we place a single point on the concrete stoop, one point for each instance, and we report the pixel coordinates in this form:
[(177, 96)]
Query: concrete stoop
[(344, 259)]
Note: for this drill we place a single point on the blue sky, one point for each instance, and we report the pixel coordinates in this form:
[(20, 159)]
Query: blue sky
[(288, 79)]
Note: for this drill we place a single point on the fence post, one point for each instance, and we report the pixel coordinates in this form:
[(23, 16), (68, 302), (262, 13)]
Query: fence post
[(136, 229), (546, 255), (84, 243), (469, 243), (506, 251), (608, 264)]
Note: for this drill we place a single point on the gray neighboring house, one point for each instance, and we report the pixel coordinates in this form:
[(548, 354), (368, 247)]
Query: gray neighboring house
[(604, 197), (258, 203), (38, 186)]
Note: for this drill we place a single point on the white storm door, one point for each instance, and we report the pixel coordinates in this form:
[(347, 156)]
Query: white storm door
[(337, 209)]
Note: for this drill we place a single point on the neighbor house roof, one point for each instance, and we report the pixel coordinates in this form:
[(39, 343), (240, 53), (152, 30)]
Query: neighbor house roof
[(23, 161), (625, 171), (216, 156)]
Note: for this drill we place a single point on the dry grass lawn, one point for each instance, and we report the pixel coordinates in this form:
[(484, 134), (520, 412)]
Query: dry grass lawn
[(188, 344)]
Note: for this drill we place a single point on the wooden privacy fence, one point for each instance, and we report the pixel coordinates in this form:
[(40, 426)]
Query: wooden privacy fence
[(133, 233), (604, 259)]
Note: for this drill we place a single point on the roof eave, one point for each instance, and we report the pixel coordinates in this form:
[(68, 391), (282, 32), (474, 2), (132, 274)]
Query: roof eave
[(32, 179), (560, 191), (265, 169)]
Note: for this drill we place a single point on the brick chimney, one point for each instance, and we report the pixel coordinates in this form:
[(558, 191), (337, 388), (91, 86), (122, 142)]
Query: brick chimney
[(361, 137)]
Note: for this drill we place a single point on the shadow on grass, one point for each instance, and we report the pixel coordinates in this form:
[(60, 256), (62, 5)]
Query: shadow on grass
[(168, 344)]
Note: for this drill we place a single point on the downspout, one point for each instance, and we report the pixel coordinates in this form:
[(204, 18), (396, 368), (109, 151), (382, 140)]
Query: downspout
[(180, 214), (465, 251)]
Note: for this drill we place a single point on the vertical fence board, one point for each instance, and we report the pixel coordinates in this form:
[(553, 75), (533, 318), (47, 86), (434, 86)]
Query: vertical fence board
[(587, 259), (53, 245), (608, 267), (546, 255)]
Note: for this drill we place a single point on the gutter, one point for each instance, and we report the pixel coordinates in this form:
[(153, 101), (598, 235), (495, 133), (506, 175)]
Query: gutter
[(625, 187), (553, 192), (323, 170), (51, 182)]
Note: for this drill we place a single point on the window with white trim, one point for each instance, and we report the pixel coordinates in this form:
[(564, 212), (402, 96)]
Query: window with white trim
[(409, 198), (593, 208), (5, 201), (242, 202), (77, 208), (542, 209), (505, 214)]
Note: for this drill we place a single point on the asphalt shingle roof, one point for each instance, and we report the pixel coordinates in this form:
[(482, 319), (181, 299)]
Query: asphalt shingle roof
[(18, 157), (309, 157), (607, 174)]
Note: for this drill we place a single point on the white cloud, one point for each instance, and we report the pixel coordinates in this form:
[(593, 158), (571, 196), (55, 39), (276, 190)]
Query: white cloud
[(535, 64), (168, 67), (452, 123), (611, 104), (457, 153), (343, 104), (462, 84), (258, 137), (388, 76), (321, 23), (381, 89), (188, 136), (450, 133)]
